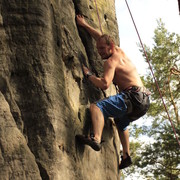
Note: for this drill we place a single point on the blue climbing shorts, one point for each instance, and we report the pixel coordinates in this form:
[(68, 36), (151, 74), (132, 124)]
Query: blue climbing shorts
[(126, 107), (114, 106)]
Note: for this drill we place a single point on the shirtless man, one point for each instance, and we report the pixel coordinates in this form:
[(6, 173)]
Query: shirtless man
[(117, 69)]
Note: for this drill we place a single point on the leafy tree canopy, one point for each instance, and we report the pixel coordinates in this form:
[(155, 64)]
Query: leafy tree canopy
[(160, 159)]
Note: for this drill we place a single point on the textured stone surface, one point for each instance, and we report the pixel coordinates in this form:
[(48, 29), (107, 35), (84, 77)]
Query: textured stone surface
[(44, 97)]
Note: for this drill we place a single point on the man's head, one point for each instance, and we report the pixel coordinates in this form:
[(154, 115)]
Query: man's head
[(105, 46)]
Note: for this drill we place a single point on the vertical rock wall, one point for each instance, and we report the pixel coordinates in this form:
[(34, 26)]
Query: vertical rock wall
[(44, 97)]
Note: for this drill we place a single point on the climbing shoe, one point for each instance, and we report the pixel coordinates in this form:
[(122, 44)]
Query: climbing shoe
[(125, 162), (90, 141)]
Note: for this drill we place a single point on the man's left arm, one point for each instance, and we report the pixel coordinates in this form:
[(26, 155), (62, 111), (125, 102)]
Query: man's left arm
[(105, 81)]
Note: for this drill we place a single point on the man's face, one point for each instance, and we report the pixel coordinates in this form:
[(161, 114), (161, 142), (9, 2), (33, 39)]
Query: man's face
[(104, 50)]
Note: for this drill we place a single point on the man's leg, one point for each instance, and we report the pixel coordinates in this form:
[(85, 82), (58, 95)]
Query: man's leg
[(97, 121), (126, 159), (124, 137)]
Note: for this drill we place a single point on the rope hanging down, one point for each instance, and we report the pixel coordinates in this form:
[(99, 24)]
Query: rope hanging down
[(153, 74), (175, 71), (98, 17)]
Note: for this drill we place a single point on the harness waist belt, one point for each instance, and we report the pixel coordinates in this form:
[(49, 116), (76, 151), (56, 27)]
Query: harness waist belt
[(138, 89)]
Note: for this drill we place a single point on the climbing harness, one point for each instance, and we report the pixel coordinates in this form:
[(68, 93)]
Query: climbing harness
[(172, 70)]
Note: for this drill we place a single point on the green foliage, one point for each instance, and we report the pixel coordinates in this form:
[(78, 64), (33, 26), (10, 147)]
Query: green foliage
[(164, 56), (160, 159)]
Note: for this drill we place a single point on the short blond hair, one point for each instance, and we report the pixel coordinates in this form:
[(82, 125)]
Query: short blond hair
[(108, 39)]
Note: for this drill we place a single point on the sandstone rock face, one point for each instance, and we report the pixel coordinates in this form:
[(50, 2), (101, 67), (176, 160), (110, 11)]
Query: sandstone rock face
[(44, 97)]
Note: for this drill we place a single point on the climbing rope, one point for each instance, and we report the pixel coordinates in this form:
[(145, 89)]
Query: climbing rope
[(98, 17), (173, 70)]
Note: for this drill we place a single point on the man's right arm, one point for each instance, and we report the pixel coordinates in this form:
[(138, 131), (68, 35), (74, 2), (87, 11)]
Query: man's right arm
[(93, 32)]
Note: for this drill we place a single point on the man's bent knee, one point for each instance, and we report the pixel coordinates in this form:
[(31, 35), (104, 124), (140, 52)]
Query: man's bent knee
[(93, 107)]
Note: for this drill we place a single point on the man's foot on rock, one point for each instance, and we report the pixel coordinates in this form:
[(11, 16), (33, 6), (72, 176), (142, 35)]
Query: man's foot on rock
[(125, 162), (91, 141)]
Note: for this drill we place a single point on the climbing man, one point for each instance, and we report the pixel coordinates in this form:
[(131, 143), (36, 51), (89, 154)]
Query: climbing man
[(129, 104)]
